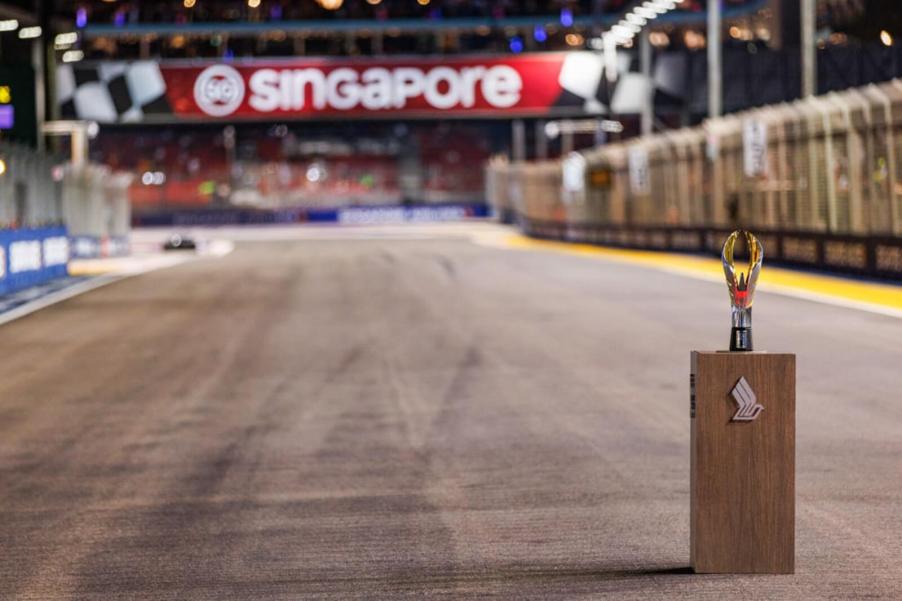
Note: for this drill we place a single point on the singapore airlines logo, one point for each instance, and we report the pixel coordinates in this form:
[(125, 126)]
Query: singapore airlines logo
[(746, 400)]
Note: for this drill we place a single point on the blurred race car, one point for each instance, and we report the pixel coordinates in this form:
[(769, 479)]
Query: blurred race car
[(180, 242)]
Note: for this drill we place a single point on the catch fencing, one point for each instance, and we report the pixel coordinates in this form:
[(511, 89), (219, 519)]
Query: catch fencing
[(51, 210), (819, 179)]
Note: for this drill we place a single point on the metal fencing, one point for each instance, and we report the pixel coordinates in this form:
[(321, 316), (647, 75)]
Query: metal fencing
[(40, 191), (820, 178)]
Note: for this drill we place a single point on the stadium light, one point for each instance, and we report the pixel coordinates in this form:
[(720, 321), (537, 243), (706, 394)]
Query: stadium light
[(9, 25), (27, 33), (64, 40), (632, 22), (635, 19), (631, 27), (73, 56)]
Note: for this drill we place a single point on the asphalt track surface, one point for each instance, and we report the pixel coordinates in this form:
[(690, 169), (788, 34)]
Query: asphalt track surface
[(381, 418)]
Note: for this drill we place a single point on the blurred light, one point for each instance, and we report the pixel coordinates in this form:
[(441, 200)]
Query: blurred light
[(119, 18), (423, 2), (30, 32), (65, 39), (373, 2), (253, 3), (81, 17), (9, 25), (539, 34), (516, 44), (740, 33), (314, 173), (58, 173), (621, 32), (177, 41), (629, 26), (93, 129), (189, 3), (566, 17), (153, 178), (656, 7), (331, 4), (635, 19), (613, 127), (837, 38), (646, 13), (2, 166), (659, 39), (573, 39), (72, 56), (207, 187), (886, 38), (693, 39)]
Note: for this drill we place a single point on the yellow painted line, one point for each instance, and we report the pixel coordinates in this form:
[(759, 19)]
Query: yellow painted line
[(881, 298), (91, 270)]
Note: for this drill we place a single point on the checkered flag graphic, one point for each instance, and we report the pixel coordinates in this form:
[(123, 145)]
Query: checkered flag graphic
[(582, 80), (111, 92)]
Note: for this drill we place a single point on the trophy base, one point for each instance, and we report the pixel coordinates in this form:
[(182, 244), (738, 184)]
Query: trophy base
[(742, 463), (741, 339)]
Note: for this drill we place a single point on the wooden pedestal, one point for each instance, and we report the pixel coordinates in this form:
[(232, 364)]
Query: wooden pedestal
[(742, 476)]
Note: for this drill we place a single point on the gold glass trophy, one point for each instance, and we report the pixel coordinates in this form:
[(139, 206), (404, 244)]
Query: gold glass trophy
[(741, 284)]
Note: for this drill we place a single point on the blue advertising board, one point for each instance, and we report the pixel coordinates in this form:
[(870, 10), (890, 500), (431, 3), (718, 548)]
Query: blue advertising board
[(32, 256)]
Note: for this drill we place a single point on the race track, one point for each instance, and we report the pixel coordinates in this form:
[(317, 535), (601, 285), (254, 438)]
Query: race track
[(377, 417)]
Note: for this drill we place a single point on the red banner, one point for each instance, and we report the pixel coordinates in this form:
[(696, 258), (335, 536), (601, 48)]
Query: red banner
[(454, 86)]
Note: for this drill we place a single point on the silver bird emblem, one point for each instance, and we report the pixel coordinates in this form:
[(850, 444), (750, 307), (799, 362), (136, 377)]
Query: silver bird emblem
[(747, 401)]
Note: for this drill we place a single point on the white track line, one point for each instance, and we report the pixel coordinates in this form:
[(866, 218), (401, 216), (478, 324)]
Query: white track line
[(215, 248), (58, 297)]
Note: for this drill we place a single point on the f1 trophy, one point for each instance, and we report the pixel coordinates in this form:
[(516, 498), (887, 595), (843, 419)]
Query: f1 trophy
[(742, 456), (742, 287)]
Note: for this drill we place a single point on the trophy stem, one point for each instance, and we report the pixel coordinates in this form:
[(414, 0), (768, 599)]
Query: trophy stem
[(741, 334)]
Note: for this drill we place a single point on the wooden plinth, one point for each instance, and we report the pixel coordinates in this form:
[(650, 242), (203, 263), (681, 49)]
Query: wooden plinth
[(742, 482)]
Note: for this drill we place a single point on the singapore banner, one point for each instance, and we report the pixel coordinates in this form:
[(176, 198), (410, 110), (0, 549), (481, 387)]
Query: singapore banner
[(569, 83)]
